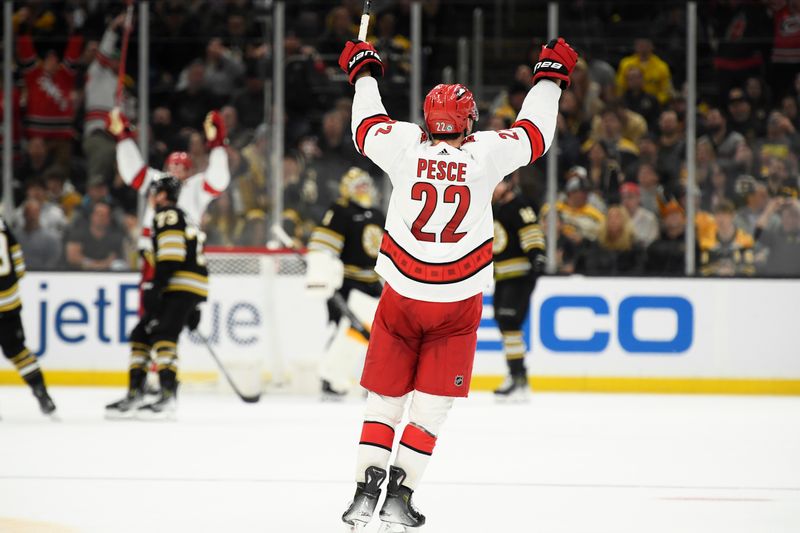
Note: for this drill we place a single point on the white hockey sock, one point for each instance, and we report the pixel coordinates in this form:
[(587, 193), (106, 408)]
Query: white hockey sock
[(383, 414), (427, 414)]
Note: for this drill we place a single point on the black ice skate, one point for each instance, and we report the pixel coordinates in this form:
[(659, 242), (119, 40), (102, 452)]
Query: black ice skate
[(329, 394), (163, 408), (513, 389), (365, 499), (126, 407), (45, 401), (398, 513)]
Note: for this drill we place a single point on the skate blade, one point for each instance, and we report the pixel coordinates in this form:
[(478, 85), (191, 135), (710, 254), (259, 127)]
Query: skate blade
[(151, 416), (356, 527), (113, 414), (388, 527)]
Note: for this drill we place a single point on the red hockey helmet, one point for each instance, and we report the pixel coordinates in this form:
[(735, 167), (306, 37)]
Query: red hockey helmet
[(447, 108), (178, 158)]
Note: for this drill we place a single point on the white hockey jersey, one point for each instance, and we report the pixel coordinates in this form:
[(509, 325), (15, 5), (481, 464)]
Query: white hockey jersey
[(197, 191), (438, 241)]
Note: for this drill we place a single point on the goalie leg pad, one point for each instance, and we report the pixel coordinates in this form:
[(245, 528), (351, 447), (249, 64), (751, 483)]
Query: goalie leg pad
[(339, 364)]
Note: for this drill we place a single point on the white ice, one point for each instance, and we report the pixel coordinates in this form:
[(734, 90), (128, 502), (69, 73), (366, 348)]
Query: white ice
[(562, 463)]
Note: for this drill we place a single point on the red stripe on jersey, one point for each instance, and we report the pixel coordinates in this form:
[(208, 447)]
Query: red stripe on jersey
[(377, 434), (418, 440), (423, 272), (364, 127), (139, 179), (211, 190), (534, 136)]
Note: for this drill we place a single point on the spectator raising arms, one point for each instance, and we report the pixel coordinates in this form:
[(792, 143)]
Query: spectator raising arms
[(49, 83)]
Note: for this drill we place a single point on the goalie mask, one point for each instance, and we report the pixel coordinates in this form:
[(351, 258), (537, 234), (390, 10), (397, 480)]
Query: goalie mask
[(357, 187)]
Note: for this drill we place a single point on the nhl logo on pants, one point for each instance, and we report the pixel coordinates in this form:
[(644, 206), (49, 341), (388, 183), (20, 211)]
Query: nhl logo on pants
[(459, 381)]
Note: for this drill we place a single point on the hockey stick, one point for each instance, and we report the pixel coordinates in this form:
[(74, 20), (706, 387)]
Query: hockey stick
[(337, 297), (245, 398), (362, 29), (123, 55)]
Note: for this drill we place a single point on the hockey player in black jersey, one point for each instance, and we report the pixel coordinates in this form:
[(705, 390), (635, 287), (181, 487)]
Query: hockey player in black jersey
[(180, 284), (518, 249), (12, 334), (341, 257)]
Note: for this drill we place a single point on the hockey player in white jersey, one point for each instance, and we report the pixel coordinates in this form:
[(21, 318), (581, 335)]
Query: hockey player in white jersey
[(436, 259), (196, 192)]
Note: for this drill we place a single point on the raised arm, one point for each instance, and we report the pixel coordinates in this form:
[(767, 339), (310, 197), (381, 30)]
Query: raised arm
[(532, 133), (375, 134), (218, 175), (130, 163)]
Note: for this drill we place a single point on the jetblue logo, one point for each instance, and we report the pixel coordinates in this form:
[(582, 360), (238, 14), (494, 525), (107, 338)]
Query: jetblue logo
[(627, 336)]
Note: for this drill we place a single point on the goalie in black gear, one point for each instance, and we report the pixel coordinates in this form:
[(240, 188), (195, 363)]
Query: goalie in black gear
[(518, 260), (341, 257), (12, 334), (180, 284)]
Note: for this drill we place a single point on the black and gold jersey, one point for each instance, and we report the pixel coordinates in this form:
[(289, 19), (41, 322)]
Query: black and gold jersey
[(518, 239), (178, 253), (12, 268), (353, 233)]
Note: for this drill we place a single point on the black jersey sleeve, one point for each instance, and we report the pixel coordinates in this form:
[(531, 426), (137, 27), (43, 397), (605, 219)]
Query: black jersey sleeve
[(531, 237), (169, 243), (330, 233), (11, 252)]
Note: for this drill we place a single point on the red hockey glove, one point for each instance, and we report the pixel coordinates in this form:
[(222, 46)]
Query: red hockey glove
[(556, 61), (118, 125), (214, 127), (358, 55)]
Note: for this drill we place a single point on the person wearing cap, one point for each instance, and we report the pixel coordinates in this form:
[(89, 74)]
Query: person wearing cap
[(581, 220), (666, 256), (730, 253), (741, 113), (645, 223)]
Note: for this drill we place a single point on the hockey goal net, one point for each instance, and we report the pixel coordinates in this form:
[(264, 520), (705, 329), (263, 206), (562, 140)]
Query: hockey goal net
[(259, 322)]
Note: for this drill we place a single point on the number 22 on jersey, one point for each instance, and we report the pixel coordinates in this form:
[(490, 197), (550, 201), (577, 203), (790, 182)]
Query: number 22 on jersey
[(453, 194)]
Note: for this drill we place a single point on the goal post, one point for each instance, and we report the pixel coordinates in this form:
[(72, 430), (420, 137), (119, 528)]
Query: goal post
[(266, 331)]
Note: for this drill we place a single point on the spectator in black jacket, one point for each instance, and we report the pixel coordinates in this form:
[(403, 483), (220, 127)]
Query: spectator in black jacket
[(665, 257)]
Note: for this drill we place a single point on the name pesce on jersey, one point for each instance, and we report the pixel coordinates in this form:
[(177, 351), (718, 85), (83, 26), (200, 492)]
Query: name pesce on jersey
[(441, 170)]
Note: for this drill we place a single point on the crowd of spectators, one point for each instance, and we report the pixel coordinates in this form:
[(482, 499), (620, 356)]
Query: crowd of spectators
[(621, 126)]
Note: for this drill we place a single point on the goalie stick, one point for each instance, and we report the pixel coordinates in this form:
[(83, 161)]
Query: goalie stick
[(337, 297), (245, 398)]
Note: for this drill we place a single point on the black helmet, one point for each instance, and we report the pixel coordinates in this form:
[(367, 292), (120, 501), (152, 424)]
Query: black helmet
[(169, 184)]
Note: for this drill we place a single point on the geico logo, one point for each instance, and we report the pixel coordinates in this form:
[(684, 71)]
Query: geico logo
[(548, 64), (107, 314), (627, 336)]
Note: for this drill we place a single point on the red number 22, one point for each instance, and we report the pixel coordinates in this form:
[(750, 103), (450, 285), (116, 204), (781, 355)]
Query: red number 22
[(452, 192)]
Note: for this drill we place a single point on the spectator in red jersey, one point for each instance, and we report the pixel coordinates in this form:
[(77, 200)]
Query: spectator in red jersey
[(785, 46), (740, 29), (49, 84)]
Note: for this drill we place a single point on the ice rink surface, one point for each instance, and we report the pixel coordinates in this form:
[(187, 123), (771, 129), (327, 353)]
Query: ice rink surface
[(561, 463)]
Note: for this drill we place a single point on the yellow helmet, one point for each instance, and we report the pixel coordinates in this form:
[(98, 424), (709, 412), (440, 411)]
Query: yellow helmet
[(357, 187)]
